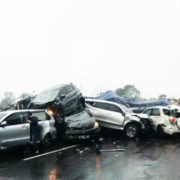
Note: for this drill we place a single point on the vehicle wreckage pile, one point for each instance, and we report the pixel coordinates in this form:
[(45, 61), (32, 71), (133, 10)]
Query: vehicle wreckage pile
[(76, 117)]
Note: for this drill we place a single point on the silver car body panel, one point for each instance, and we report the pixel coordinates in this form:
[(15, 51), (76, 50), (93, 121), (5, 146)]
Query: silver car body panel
[(19, 134), (112, 119)]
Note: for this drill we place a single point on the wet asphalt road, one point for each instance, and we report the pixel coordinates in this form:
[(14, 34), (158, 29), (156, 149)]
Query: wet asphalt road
[(149, 158)]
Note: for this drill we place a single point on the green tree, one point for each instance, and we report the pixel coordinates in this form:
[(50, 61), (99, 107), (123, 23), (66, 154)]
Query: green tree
[(162, 96), (128, 92)]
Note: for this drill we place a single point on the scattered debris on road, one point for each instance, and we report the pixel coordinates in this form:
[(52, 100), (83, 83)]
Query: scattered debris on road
[(112, 150)]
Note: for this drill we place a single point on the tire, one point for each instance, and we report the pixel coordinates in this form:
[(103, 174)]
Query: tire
[(131, 131), (47, 141)]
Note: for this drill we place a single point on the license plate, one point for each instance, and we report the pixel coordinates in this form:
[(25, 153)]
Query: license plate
[(84, 137)]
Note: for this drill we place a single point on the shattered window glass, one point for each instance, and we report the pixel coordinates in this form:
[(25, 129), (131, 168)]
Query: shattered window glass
[(125, 109), (63, 91), (45, 96), (69, 89)]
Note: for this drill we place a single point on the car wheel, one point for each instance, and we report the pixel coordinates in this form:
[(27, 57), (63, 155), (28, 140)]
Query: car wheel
[(131, 131), (47, 141)]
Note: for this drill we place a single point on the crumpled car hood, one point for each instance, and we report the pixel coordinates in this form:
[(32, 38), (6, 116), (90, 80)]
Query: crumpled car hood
[(40, 103), (132, 117), (80, 120), (144, 116)]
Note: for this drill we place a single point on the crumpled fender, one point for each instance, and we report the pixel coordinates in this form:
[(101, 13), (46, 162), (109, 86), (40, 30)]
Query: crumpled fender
[(133, 119)]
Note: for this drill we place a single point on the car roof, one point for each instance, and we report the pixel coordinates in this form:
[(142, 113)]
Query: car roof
[(22, 110), (9, 112), (58, 86), (158, 107), (102, 101)]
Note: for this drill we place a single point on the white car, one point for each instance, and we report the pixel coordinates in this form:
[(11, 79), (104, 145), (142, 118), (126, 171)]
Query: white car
[(116, 116), (164, 119)]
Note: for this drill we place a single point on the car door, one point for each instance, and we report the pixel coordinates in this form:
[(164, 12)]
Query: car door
[(167, 115), (99, 112), (15, 132), (107, 115), (115, 113), (43, 123), (155, 116)]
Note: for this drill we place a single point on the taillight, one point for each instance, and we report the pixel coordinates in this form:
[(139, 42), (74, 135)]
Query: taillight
[(172, 120)]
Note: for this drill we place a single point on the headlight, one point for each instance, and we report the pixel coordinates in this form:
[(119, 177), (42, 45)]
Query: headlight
[(50, 111), (96, 124)]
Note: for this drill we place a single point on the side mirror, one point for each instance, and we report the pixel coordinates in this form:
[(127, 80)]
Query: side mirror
[(4, 123), (62, 96)]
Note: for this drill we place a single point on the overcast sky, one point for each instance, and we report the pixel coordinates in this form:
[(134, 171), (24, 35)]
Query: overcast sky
[(96, 44)]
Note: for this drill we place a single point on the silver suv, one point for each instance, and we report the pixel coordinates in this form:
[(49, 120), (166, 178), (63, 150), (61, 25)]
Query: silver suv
[(14, 129), (116, 116), (64, 99)]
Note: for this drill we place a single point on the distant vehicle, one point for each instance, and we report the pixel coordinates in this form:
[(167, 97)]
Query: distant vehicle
[(164, 120), (15, 130), (81, 126), (63, 99), (116, 116), (138, 110)]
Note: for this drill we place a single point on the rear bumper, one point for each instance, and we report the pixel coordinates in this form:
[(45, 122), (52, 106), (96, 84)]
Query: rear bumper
[(171, 129)]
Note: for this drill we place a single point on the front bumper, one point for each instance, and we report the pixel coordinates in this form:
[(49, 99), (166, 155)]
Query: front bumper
[(71, 134)]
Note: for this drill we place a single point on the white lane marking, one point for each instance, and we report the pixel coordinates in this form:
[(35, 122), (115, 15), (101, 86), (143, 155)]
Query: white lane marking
[(44, 154), (111, 150)]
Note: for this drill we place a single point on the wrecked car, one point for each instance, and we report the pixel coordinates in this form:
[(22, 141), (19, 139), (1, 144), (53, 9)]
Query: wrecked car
[(81, 126), (66, 104), (164, 120), (15, 130), (64, 99), (116, 116)]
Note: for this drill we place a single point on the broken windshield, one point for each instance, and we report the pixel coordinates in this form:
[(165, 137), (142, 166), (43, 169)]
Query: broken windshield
[(126, 109), (46, 96)]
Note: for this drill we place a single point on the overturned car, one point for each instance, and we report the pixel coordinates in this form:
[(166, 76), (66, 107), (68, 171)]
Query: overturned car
[(66, 103), (64, 99)]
